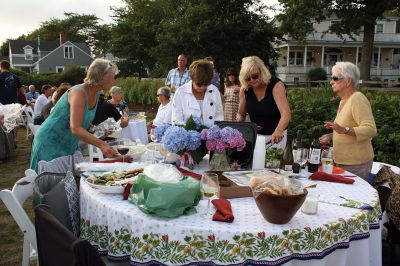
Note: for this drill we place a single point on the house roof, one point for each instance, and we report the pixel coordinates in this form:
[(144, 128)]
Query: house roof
[(87, 51), (17, 46)]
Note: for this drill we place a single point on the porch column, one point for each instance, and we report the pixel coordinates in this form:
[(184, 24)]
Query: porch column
[(357, 56), (287, 56), (305, 57), (378, 65), (322, 56)]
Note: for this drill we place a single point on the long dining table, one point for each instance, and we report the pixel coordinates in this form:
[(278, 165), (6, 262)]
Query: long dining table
[(339, 234)]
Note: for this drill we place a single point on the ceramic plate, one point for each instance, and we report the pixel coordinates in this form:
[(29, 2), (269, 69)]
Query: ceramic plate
[(106, 189)]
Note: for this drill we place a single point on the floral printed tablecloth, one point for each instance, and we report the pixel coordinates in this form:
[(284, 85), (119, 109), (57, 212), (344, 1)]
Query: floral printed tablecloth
[(336, 235)]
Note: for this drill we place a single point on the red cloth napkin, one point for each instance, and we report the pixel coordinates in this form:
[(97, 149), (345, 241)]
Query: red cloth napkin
[(331, 178), (188, 173), (127, 159), (224, 211), (127, 191)]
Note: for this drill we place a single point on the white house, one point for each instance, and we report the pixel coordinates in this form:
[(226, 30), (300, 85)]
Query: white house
[(325, 49)]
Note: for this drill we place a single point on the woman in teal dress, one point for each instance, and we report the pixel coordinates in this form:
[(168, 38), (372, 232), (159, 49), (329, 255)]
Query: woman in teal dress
[(68, 122)]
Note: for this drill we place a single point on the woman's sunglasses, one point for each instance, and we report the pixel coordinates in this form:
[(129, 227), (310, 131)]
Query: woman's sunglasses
[(254, 77), (334, 78)]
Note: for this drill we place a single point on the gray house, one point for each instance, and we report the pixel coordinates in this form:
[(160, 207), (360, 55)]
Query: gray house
[(47, 56)]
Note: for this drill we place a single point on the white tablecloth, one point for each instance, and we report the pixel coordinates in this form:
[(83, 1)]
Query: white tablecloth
[(336, 235), (136, 129)]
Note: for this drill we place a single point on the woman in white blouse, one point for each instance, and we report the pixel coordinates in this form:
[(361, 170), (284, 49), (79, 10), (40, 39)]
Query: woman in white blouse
[(198, 97), (164, 112)]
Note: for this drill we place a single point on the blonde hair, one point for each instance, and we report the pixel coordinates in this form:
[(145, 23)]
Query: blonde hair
[(248, 63), (97, 70)]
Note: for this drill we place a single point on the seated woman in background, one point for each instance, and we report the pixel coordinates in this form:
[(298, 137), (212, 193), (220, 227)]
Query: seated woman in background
[(354, 125), (263, 97), (164, 113), (116, 100), (231, 95), (54, 98), (59, 134), (198, 97)]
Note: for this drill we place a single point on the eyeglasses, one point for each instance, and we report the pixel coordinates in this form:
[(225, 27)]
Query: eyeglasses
[(253, 77), (334, 78)]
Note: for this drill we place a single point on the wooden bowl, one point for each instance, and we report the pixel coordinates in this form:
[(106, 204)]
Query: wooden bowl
[(279, 209)]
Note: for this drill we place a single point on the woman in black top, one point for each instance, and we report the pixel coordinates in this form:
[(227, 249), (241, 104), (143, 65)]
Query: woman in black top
[(264, 98)]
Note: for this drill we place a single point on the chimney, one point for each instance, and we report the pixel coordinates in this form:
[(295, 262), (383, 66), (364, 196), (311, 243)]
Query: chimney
[(63, 37)]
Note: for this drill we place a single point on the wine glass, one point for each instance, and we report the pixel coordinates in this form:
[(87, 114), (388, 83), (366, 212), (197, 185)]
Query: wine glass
[(209, 187), (303, 157), (123, 147), (152, 136)]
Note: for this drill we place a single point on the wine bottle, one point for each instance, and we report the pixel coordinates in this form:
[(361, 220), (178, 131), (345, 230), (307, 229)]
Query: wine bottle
[(296, 146), (315, 156), (287, 159)]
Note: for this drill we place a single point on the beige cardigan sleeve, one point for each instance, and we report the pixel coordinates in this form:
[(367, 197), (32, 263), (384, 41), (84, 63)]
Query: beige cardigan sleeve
[(362, 115)]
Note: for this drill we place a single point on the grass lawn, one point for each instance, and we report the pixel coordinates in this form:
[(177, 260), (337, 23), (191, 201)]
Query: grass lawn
[(12, 169)]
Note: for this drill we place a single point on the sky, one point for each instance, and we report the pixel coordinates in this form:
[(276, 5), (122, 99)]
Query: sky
[(19, 17)]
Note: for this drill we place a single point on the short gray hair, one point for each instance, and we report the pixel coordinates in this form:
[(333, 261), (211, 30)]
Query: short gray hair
[(348, 70), (164, 91), (115, 90), (97, 70)]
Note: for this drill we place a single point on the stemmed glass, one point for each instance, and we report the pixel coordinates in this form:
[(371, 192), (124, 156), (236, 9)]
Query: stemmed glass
[(123, 147), (303, 157), (209, 187)]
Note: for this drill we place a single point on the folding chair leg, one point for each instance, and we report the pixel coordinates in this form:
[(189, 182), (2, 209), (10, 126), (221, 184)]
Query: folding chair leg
[(26, 252)]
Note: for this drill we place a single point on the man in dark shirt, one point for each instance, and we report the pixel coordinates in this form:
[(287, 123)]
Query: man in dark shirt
[(9, 84), (106, 110)]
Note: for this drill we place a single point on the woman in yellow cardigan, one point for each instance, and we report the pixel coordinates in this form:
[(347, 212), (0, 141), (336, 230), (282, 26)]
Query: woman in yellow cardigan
[(354, 125)]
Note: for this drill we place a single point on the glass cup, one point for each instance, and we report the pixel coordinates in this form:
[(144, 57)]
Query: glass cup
[(327, 161), (142, 115), (310, 205), (209, 187)]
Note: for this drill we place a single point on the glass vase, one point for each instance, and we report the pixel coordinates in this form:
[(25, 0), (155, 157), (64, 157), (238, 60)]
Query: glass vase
[(219, 162)]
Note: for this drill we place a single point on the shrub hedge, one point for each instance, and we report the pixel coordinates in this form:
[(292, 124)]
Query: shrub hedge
[(140, 91)]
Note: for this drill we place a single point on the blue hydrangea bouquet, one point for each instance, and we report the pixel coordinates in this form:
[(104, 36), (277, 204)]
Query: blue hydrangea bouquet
[(183, 140)]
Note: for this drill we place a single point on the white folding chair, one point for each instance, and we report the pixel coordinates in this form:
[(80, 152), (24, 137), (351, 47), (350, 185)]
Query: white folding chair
[(33, 128), (94, 153), (28, 111), (14, 200)]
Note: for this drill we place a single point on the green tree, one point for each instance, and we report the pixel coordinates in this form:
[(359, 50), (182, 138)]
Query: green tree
[(227, 30), (298, 15)]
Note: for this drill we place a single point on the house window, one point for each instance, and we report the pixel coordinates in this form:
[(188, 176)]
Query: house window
[(84, 68), (59, 69), (28, 54), (334, 22), (379, 28), (68, 52), (297, 57)]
